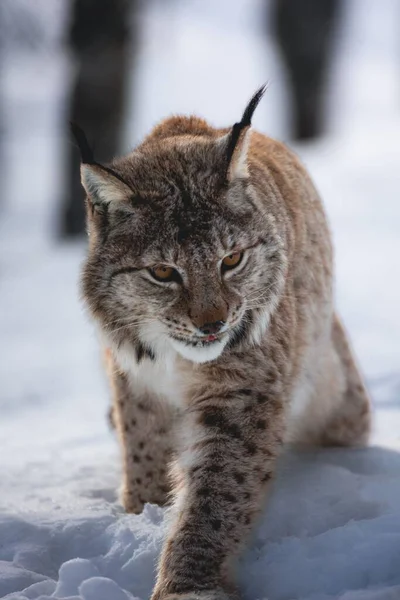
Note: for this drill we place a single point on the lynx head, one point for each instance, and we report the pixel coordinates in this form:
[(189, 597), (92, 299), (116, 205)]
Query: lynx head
[(182, 255)]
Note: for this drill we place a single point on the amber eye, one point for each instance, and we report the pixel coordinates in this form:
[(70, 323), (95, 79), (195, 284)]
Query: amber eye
[(232, 260), (165, 273)]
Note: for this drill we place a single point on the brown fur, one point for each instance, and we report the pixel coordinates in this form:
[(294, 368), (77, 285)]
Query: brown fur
[(286, 373)]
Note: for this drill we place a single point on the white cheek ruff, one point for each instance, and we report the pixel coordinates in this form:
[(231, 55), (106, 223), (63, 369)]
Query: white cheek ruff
[(260, 325), (158, 377), (199, 354)]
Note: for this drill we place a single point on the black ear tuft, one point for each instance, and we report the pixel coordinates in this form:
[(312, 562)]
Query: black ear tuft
[(87, 157), (252, 105), (82, 143), (245, 121)]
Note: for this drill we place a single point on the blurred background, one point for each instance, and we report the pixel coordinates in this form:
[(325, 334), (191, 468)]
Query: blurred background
[(117, 67)]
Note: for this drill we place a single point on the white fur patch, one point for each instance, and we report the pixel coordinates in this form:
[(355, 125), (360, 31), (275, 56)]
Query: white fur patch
[(200, 354), (261, 325), (158, 378)]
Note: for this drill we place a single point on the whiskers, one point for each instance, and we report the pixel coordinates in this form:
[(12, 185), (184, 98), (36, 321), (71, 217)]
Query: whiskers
[(119, 324), (264, 298), (260, 297)]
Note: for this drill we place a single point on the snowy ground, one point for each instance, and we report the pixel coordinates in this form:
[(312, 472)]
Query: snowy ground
[(332, 529)]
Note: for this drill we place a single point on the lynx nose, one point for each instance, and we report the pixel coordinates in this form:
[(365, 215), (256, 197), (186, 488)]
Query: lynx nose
[(210, 328)]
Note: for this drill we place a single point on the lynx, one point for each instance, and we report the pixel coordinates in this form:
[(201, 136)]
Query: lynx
[(209, 273)]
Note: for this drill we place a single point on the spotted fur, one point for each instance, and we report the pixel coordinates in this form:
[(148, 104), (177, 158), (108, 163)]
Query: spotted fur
[(206, 417)]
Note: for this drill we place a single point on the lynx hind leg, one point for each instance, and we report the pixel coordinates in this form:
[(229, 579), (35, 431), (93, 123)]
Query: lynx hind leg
[(144, 429), (350, 423)]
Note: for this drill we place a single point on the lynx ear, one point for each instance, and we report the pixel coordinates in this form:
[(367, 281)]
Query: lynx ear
[(237, 143), (102, 185)]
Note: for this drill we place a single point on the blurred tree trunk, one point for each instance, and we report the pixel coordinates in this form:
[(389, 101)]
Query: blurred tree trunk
[(305, 32), (100, 39)]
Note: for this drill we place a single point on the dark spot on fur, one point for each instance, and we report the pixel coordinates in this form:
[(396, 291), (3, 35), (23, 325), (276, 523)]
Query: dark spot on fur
[(126, 428), (250, 448), (266, 477), (247, 520), (215, 418), (138, 480), (142, 406), (247, 496), (204, 491), (229, 497), (143, 351), (261, 399), (149, 474), (183, 234), (215, 468), (141, 445), (133, 422), (136, 458), (148, 457), (216, 524), (239, 477), (261, 424), (245, 392), (271, 378), (248, 408), (233, 430), (205, 508)]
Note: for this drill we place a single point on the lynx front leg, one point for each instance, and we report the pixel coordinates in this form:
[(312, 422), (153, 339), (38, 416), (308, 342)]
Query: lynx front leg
[(225, 469), (145, 431)]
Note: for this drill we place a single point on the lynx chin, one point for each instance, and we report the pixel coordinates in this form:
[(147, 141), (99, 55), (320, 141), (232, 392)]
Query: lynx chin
[(209, 273)]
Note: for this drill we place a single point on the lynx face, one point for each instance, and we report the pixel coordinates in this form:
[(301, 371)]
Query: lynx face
[(180, 257)]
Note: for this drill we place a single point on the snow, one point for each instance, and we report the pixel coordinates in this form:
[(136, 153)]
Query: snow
[(331, 530)]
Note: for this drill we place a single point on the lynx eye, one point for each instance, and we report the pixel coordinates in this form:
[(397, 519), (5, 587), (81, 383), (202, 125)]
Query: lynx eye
[(231, 261), (165, 273)]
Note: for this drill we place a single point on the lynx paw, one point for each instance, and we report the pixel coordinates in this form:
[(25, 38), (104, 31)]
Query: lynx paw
[(131, 502), (133, 499)]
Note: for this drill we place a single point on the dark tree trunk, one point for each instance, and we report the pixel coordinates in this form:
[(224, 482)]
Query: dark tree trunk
[(305, 32), (100, 39)]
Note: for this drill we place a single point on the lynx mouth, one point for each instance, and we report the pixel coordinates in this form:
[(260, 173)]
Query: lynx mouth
[(204, 342)]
